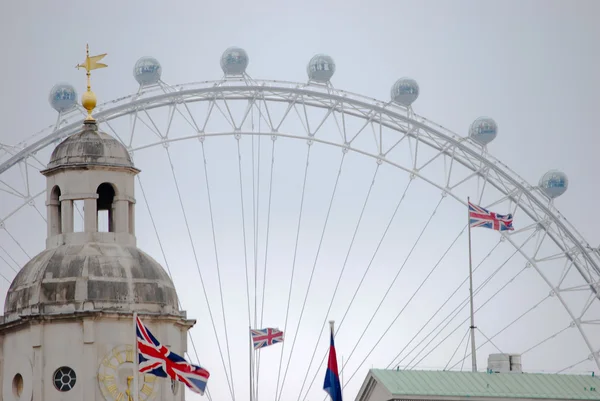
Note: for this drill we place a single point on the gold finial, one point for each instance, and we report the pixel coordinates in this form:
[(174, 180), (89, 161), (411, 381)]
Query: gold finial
[(88, 99)]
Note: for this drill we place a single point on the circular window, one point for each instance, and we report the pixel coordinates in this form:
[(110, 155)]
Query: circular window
[(64, 378), (17, 385)]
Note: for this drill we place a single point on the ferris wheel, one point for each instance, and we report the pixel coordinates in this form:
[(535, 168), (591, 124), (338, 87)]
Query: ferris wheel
[(290, 204)]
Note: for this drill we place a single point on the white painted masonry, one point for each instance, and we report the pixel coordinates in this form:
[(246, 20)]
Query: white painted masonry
[(69, 311)]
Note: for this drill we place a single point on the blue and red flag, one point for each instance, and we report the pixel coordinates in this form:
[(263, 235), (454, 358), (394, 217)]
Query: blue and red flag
[(156, 359), (332, 380), (480, 217)]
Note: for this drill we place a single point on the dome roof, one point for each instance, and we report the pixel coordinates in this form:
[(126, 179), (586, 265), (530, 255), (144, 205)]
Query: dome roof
[(91, 276), (90, 147)]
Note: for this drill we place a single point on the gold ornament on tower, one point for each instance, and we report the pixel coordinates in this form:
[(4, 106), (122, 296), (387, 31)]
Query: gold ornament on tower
[(115, 377), (88, 99)]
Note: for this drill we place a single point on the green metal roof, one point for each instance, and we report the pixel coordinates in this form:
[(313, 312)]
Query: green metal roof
[(480, 384)]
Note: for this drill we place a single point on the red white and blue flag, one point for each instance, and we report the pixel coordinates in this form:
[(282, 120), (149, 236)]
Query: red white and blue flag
[(332, 380), (265, 337), (156, 359), (480, 217)]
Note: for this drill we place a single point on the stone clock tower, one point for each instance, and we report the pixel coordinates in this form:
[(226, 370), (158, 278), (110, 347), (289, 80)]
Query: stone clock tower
[(67, 331)]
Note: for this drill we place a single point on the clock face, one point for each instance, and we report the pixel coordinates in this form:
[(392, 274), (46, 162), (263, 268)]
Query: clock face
[(115, 376)]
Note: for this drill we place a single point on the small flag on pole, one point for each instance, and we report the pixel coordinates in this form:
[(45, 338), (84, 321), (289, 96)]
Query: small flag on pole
[(156, 359), (480, 217), (332, 380), (265, 337)]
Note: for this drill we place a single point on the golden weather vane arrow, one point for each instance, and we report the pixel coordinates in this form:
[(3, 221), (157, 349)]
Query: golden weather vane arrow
[(88, 99)]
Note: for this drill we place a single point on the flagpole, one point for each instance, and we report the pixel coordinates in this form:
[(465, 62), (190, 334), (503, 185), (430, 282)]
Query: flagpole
[(342, 378), (473, 350), (136, 367), (332, 328), (251, 362)]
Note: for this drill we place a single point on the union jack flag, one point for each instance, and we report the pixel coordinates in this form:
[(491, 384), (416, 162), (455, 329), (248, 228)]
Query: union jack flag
[(480, 217), (156, 359), (265, 337)]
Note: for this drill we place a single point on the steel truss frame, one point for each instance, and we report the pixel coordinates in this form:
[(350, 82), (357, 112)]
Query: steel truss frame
[(339, 105)]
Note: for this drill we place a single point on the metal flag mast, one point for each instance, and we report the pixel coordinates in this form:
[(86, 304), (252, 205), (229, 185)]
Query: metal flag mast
[(473, 351), (136, 360), (251, 372)]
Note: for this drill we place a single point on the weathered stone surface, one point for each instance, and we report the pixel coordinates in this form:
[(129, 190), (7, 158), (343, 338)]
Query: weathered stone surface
[(90, 147), (112, 276)]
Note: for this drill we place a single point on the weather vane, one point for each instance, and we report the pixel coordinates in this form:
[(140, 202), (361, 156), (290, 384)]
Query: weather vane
[(88, 100)]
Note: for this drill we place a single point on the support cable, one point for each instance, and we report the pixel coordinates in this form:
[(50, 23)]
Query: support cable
[(337, 180), (451, 316), (462, 365), (237, 138), (546, 339), (442, 306), (256, 236), (392, 284), (162, 251), (293, 265), (464, 321), (39, 213), (2, 275), (255, 214), (262, 307), (244, 228), (256, 219), (390, 221), (17, 242), (457, 347), (394, 280), (78, 210), (230, 383), (489, 340), (11, 258), (575, 364), (454, 313), (212, 223), (407, 303)]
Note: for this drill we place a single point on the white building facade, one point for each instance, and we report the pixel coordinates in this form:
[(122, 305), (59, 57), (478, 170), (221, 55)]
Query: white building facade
[(67, 332)]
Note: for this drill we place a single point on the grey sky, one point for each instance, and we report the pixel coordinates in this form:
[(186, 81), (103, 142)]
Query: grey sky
[(531, 65)]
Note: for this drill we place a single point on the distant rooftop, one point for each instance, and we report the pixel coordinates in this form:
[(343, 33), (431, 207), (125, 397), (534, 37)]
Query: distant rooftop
[(480, 385)]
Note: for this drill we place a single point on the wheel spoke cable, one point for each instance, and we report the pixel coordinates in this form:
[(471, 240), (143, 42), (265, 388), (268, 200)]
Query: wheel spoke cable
[(293, 264), (438, 310), (454, 313), (573, 365), (546, 339), (464, 321), (162, 251), (390, 221), (333, 193), (239, 157), (489, 340), (405, 305), (264, 284), (198, 267), (395, 278), (212, 223), (457, 347)]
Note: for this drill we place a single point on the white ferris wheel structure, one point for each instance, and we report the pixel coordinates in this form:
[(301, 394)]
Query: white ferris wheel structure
[(324, 204)]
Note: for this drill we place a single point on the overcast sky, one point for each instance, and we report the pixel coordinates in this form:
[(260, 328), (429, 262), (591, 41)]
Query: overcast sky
[(531, 65)]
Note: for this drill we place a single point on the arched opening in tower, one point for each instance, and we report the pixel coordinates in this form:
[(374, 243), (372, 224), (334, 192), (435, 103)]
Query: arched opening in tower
[(105, 207), (55, 212)]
